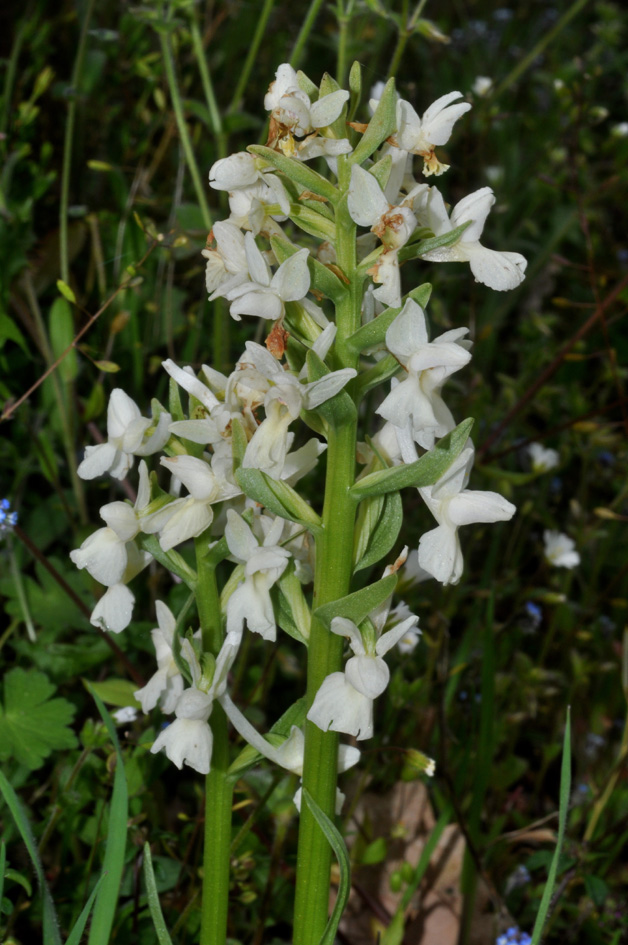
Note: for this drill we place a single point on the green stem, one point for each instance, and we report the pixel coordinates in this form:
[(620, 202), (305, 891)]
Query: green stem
[(11, 69), (538, 48), (332, 579), (251, 57), (67, 146), (304, 32), (208, 87), (184, 134), (218, 787)]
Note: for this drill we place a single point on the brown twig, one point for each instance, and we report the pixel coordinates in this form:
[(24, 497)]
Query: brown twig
[(84, 609), (553, 367), (11, 408)]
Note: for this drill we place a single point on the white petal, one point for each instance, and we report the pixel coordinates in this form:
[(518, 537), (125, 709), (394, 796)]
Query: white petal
[(241, 541), (440, 554), (121, 413), (344, 627), (292, 280), (408, 331), (328, 108), (391, 637), (472, 506), (103, 555), (233, 172), (114, 610), (261, 302), (338, 707), (99, 459), (257, 265), (327, 387), (188, 519), (368, 675), (186, 379), (475, 207), (195, 474), (497, 270), (366, 202), (189, 742)]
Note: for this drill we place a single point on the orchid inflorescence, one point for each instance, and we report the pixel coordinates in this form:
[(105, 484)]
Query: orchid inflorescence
[(320, 260)]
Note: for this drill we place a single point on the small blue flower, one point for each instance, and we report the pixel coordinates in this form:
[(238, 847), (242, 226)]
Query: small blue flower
[(8, 519)]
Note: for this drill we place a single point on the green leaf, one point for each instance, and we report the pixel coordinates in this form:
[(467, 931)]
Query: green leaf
[(75, 936), (424, 472), (106, 906), (238, 442), (374, 853), (355, 88), (381, 125), (61, 326), (248, 757), (358, 605), (297, 171), (154, 905), (414, 250), (10, 332), (564, 792), (277, 496), (107, 367), (118, 692), (312, 222), (374, 332), (377, 529), (381, 170), (50, 923), (66, 291), (339, 847), (294, 616), (31, 724)]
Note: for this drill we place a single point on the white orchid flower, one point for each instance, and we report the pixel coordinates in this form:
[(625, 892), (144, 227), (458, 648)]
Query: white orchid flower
[(394, 225), (292, 109), (416, 400), (166, 685), (344, 702), (126, 438), (188, 517), (263, 566), (265, 294), (542, 458), (498, 270), (188, 740), (453, 505), (421, 135), (107, 553), (560, 550), (290, 754), (226, 264)]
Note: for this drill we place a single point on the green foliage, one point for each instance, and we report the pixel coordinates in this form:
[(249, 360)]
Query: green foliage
[(32, 725)]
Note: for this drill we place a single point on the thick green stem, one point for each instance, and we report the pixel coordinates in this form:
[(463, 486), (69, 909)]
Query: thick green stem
[(218, 788), (334, 556)]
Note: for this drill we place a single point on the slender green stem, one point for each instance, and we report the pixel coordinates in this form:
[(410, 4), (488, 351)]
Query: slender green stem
[(405, 32), (21, 595), (538, 48), (184, 134), (11, 69), (304, 32), (208, 86), (343, 15), (218, 788), (67, 145), (252, 56), (334, 555)]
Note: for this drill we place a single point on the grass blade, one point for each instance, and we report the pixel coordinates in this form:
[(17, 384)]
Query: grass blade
[(565, 791), (51, 933), (113, 864), (75, 935), (154, 905), (339, 847)]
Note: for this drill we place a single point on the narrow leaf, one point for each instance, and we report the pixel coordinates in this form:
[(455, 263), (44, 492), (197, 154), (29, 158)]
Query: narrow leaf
[(297, 171), (106, 905), (358, 605), (564, 792), (424, 472), (382, 124), (383, 535), (414, 250), (51, 934), (339, 847), (154, 905), (76, 934), (277, 496)]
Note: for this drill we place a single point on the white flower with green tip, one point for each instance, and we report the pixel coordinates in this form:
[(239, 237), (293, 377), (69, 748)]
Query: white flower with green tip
[(560, 550)]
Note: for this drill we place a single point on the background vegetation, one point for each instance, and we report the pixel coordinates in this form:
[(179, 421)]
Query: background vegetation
[(111, 115)]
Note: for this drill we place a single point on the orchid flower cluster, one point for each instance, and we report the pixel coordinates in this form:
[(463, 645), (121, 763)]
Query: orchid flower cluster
[(319, 258)]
